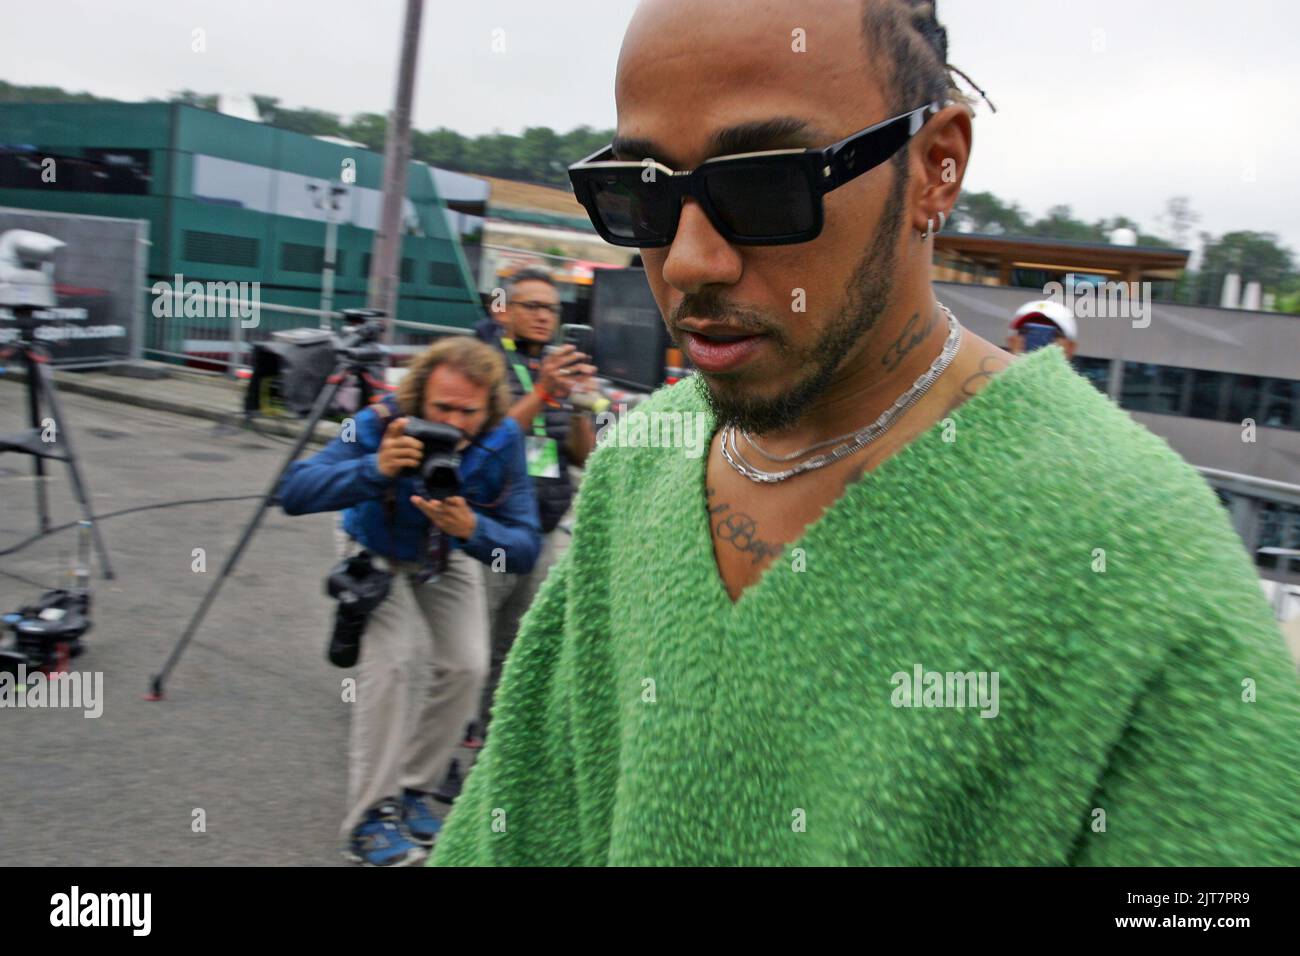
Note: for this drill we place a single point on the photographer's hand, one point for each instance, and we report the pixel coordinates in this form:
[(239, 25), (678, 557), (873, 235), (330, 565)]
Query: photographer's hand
[(452, 516), (561, 369), (398, 451)]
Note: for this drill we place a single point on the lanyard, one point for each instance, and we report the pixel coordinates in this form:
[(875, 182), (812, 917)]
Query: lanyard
[(526, 380)]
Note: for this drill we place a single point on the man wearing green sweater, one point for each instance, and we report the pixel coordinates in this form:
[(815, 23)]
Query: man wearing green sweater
[(909, 601)]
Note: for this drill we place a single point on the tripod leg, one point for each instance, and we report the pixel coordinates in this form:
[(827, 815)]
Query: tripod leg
[(318, 410), (46, 385), (35, 365)]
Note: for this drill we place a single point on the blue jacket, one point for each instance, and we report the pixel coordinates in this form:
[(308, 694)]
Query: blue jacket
[(489, 330), (493, 477)]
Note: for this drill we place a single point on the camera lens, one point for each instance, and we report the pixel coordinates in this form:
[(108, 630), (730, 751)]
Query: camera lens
[(345, 643)]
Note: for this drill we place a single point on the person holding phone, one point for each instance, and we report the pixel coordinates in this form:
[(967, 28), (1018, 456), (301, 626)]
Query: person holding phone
[(1042, 322), (558, 435)]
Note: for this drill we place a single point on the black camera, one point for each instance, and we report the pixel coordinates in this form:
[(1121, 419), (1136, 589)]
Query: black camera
[(436, 477), (436, 480), (47, 633), (359, 587), (363, 329)]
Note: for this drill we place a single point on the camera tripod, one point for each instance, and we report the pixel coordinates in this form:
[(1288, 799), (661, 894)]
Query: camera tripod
[(355, 355), (41, 394)]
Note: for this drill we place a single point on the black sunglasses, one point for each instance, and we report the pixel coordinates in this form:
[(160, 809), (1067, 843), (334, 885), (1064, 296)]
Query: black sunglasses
[(768, 198)]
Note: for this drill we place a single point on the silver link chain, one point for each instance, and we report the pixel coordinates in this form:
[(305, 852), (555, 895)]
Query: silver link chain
[(857, 440)]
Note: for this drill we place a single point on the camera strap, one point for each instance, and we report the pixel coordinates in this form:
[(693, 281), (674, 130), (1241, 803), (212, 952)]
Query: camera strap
[(525, 380), (541, 451)]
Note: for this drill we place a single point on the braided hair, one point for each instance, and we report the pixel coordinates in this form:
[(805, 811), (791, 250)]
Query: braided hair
[(909, 35)]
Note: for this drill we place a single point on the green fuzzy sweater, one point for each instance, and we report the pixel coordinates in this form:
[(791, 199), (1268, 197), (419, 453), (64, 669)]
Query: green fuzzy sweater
[(1146, 713)]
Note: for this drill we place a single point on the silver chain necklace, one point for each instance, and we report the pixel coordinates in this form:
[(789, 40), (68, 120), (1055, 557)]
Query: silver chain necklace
[(857, 440)]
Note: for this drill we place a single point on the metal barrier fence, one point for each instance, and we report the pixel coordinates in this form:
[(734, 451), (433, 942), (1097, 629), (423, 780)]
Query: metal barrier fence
[(218, 339)]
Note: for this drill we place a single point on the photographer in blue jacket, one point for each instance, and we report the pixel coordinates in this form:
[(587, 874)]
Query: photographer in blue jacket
[(424, 653)]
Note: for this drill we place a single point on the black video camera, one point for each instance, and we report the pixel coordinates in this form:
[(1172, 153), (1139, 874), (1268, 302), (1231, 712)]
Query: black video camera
[(436, 477), (359, 587), (48, 632), (360, 345)]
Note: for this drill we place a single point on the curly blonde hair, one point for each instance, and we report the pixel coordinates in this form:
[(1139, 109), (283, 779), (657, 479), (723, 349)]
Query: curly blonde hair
[(477, 361)]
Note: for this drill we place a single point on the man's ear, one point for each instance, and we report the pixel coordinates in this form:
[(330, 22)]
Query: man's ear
[(945, 147)]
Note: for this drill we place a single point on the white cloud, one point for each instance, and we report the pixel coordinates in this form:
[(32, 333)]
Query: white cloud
[(1185, 93)]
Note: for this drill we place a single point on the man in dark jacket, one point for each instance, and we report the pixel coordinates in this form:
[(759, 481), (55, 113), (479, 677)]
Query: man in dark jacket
[(558, 436), (429, 632)]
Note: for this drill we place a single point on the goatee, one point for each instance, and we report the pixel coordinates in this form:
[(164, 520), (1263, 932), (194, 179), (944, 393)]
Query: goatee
[(867, 295)]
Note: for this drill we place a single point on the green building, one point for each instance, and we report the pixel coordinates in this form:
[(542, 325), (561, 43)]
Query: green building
[(229, 200)]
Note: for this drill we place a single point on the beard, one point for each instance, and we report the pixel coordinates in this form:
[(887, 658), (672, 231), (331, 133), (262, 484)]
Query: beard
[(867, 294)]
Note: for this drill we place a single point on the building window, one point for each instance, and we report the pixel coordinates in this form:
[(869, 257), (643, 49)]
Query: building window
[(1153, 388), (1217, 396), (1281, 406), (1030, 278), (1279, 527), (90, 170), (225, 182), (297, 257), (1209, 394), (444, 274), (1243, 400), (219, 248), (1095, 370)]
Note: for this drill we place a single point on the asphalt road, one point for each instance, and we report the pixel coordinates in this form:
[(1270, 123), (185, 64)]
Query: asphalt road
[(253, 730)]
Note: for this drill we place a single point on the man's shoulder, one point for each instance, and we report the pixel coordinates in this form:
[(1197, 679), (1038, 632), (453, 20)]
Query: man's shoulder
[(503, 434), (643, 449), (373, 420), (1061, 428), (683, 397), (1112, 484), (675, 418)]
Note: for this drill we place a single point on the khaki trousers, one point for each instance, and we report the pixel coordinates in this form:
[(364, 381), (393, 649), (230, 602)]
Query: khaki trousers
[(509, 596), (424, 659)]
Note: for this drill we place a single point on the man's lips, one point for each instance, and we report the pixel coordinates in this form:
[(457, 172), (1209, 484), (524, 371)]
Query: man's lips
[(720, 348), (716, 330)]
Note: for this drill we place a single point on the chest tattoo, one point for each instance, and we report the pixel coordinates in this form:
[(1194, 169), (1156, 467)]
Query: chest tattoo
[(738, 529)]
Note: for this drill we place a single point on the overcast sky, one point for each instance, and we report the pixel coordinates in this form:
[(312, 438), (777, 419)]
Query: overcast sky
[(1110, 106)]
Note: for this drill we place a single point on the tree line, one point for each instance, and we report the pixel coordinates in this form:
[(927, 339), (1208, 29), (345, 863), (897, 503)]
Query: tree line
[(541, 155)]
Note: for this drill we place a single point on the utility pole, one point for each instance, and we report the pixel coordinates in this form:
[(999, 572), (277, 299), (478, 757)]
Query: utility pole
[(387, 246), (327, 200)]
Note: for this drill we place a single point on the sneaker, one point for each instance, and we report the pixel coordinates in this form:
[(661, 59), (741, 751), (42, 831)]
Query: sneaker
[(451, 784), (379, 840), (417, 815), (473, 737)]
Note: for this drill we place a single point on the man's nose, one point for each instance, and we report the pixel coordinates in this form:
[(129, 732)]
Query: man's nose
[(699, 256)]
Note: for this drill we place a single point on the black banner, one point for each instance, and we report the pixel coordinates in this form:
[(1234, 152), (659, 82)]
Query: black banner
[(79, 331), (924, 906)]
